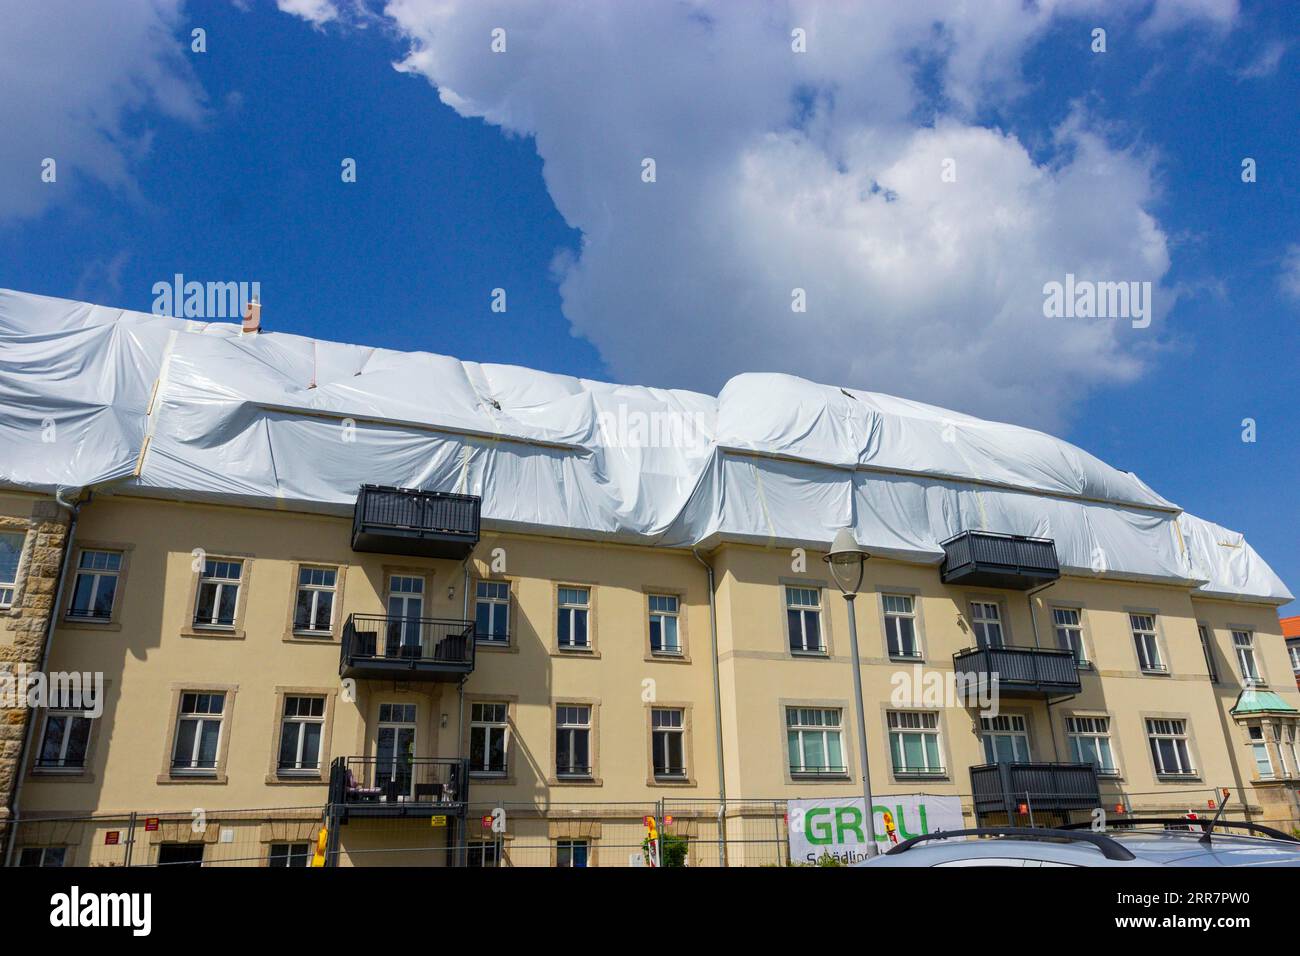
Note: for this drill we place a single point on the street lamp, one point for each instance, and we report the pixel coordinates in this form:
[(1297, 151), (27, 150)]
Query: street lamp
[(847, 560)]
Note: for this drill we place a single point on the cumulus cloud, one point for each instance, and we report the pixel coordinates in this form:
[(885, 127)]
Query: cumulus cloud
[(821, 171), (73, 76), (315, 12)]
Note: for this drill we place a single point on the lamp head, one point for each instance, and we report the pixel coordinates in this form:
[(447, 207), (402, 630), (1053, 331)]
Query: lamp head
[(847, 560)]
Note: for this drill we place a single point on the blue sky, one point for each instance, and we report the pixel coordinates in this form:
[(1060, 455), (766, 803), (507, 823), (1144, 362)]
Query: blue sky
[(1130, 160)]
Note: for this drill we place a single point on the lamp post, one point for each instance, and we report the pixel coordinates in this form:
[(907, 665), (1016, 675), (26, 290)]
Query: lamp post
[(847, 560)]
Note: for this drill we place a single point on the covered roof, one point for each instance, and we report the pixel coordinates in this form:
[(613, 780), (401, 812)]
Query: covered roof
[(1255, 701), (162, 406)]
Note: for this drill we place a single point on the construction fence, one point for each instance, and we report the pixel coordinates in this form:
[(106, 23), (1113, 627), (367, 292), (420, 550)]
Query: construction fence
[(694, 832)]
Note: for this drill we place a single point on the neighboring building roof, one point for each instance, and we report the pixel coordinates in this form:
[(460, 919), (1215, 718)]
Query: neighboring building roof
[(1290, 626), (196, 410), (1255, 701)]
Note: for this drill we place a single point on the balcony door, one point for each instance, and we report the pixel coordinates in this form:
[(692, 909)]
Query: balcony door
[(405, 608), (1006, 738), (395, 748)]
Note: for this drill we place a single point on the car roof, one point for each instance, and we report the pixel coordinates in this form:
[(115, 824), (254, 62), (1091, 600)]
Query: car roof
[(1184, 848)]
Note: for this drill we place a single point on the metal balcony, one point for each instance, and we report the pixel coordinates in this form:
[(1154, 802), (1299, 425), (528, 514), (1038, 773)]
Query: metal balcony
[(1045, 787), (399, 786), (987, 560), (1020, 671), (406, 648), (429, 524)]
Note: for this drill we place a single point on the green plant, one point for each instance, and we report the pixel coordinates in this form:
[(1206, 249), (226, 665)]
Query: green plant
[(672, 849)]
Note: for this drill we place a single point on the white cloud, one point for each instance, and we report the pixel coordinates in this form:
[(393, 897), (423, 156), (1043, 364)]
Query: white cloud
[(1265, 62), (73, 75), (1289, 277), (315, 12), (779, 170)]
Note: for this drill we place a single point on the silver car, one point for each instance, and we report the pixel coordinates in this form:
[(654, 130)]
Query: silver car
[(1151, 842)]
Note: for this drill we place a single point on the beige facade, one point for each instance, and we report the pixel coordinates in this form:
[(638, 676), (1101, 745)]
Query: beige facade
[(156, 661)]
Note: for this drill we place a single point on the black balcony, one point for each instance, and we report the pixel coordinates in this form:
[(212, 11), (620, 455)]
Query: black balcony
[(987, 560), (1035, 787), (1020, 671), (406, 648), (399, 786), (429, 524)]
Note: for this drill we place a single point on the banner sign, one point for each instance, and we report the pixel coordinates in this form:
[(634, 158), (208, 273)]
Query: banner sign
[(835, 826)]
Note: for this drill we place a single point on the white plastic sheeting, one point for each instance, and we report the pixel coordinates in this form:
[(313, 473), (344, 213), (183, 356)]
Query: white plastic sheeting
[(91, 396)]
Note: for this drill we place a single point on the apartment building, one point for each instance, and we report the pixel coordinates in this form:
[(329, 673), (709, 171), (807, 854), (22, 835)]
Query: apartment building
[(455, 640)]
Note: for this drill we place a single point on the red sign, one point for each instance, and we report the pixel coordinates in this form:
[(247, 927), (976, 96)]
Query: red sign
[(668, 820), (1023, 808), (487, 821), (1210, 802), (110, 838), (649, 821), (150, 823), (1119, 808)]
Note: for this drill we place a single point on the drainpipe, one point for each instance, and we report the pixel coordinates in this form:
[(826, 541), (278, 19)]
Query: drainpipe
[(74, 511), (717, 712), (462, 824), (1033, 623)]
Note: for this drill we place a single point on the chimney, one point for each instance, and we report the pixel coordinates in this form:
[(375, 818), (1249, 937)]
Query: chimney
[(253, 317)]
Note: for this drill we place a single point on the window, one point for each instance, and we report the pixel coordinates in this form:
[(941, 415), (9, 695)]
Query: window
[(1068, 622), (1006, 738), (575, 607), (1168, 739), (11, 550), (481, 853), (813, 740), (1294, 651), (571, 852), (313, 610), (1243, 642), (487, 738), (180, 854), (218, 593), (914, 742), (664, 638), (1259, 748), (573, 741), (1144, 639), (803, 614), (64, 741), (900, 625), (1286, 737), (198, 732), (96, 585), (1090, 742), (289, 854), (668, 742), (300, 734), (1204, 632), (986, 617), (43, 856), (492, 612)]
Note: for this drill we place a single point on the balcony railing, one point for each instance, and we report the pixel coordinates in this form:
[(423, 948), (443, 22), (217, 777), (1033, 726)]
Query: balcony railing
[(399, 785), (406, 648), (1020, 671), (988, 560), (1047, 787), (431, 524)]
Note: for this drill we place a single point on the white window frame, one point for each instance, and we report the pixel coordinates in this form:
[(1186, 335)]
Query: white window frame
[(488, 853), (826, 722), (495, 596), (481, 722), (210, 576), (667, 724), (1146, 642), (1012, 726), (44, 852), (1243, 645), (315, 588), (1203, 631), (914, 723), (1069, 633), (62, 766), (1293, 652), (201, 718), (798, 601), (574, 719), (569, 610), (1258, 742), (983, 624), (894, 627), (568, 846), (665, 609), (1175, 729), (10, 587), (97, 576), (1092, 727), (297, 723), (287, 859)]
